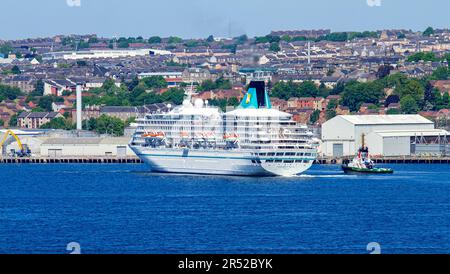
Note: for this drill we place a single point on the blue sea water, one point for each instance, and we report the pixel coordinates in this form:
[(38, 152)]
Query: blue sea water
[(126, 209)]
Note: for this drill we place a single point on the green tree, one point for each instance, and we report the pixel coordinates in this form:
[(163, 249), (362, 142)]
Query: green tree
[(173, 95), (59, 123), (241, 39), (154, 40), (93, 40), (442, 73), (286, 90), (193, 43), (409, 105), (423, 56), (355, 94), (323, 90), (81, 63), (392, 111), (413, 87), (428, 32), (90, 124), (39, 90), (275, 47), (174, 40), (123, 45), (38, 109), (222, 83), (330, 114), (108, 84), (308, 89), (207, 85), (2, 123), (446, 100), (286, 38), (110, 125), (7, 92), (221, 103), (299, 38), (133, 83), (6, 49), (314, 116), (147, 98), (331, 109), (16, 70), (13, 120), (394, 80), (45, 102), (233, 101), (154, 82), (210, 39)]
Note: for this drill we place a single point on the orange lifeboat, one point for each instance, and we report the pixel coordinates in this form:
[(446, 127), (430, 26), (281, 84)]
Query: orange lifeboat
[(230, 137), (154, 134)]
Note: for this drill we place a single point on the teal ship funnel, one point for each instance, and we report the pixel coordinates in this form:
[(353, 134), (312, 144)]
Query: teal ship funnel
[(256, 96)]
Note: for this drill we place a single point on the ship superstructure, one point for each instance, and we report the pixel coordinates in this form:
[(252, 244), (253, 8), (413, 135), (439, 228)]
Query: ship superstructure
[(253, 139)]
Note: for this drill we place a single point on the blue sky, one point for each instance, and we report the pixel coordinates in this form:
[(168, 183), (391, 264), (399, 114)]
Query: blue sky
[(200, 18)]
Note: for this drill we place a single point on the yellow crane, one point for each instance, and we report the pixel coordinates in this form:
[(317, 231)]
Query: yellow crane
[(24, 150)]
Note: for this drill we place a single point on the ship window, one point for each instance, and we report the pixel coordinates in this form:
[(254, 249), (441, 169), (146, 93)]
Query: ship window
[(288, 161), (278, 161), (305, 161), (300, 154), (271, 154), (290, 154), (262, 154), (269, 161), (280, 154), (298, 161), (307, 154)]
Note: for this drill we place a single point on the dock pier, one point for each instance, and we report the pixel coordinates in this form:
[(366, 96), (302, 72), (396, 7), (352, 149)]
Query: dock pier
[(390, 160), (136, 160), (72, 160)]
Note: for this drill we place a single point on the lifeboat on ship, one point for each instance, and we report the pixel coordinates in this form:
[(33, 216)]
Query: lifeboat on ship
[(184, 135), (154, 134), (232, 137)]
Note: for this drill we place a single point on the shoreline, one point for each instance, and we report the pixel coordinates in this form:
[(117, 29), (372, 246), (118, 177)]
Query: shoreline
[(136, 160)]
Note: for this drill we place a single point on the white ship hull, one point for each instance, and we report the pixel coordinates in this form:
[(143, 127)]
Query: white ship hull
[(217, 162)]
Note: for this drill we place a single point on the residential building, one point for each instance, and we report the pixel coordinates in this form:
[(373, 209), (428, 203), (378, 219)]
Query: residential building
[(34, 120)]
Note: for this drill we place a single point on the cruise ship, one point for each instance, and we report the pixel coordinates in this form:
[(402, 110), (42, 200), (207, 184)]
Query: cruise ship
[(252, 140)]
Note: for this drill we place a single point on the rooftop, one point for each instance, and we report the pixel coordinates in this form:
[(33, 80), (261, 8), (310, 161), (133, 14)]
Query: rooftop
[(385, 119), (407, 133), (86, 141)]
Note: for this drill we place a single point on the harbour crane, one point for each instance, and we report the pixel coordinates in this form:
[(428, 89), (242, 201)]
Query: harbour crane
[(24, 150)]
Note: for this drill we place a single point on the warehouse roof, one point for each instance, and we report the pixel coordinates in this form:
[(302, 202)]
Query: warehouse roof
[(412, 133), (87, 141), (385, 119)]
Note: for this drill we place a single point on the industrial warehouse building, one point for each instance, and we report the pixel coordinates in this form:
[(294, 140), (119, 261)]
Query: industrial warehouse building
[(83, 147), (405, 142), (386, 135), (61, 143)]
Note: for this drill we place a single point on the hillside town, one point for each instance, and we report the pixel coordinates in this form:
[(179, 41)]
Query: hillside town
[(314, 75)]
